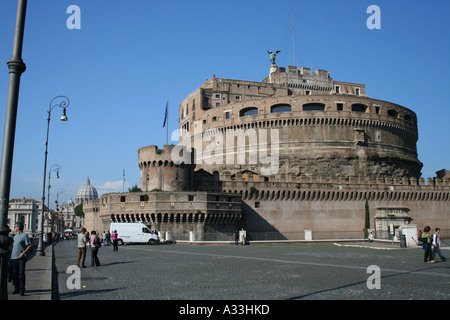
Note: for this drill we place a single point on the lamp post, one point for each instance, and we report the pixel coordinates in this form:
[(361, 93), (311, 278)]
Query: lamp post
[(58, 226), (16, 68), (56, 168), (61, 102)]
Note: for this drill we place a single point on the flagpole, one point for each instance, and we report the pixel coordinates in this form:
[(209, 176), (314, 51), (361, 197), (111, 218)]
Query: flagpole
[(167, 128)]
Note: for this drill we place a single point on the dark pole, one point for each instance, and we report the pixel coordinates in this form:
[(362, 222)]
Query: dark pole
[(16, 68), (64, 103)]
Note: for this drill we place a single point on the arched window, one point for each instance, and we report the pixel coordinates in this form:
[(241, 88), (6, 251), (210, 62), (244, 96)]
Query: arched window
[(408, 117), (280, 108), (248, 112), (314, 107), (392, 113), (359, 107)]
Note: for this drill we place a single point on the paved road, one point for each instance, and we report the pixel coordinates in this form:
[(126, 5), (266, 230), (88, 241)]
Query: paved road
[(252, 272)]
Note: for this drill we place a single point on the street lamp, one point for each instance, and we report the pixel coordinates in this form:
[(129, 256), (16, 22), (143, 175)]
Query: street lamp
[(61, 102), (16, 67), (56, 168)]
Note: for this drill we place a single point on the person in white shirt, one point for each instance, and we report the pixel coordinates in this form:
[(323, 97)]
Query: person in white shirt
[(82, 240), (436, 244)]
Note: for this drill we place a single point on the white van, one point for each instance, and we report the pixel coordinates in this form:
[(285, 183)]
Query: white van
[(133, 232)]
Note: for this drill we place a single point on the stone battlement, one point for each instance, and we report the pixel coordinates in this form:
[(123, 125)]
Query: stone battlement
[(430, 182), (152, 156)]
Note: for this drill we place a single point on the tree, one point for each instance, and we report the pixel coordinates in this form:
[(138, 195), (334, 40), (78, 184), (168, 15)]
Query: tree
[(79, 210), (134, 188)]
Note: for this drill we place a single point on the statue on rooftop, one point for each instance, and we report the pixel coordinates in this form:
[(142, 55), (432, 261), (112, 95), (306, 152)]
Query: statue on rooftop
[(272, 57)]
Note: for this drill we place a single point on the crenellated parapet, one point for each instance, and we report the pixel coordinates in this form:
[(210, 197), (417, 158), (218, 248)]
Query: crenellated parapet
[(305, 188)]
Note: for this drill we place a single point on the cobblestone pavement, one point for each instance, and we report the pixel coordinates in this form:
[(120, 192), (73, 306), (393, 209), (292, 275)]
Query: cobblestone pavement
[(253, 272)]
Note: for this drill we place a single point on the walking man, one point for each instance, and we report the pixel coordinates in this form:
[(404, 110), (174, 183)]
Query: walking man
[(82, 240), (21, 246)]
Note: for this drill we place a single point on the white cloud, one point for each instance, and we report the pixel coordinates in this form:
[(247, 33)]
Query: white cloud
[(112, 186)]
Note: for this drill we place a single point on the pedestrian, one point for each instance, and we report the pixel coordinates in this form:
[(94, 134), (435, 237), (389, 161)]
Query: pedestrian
[(244, 236), (104, 238), (236, 237), (436, 242), (82, 240), (108, 238), (426, 245), (371, 236), (95, 245), (115, 237), (21, 246)]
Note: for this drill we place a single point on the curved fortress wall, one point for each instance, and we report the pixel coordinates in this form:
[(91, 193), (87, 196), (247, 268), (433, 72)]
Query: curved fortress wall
[(161, 172), (322, 133)]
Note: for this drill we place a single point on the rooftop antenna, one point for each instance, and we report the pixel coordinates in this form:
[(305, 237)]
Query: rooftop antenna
[(293, 38)]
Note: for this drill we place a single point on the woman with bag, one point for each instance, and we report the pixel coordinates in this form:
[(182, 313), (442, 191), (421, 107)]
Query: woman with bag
[(426, 246), (95, 245)]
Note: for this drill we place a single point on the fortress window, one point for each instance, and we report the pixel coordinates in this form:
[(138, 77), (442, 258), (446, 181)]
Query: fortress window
[(280, 108), (122, 199), (248, 112), (359, 107), (314, 107), (227, 114), (339, 106), (377, 109), (214, 119), (392, 113), (408, 117)]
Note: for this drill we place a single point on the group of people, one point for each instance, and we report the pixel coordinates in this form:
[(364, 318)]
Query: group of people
[(93, 241), (431, 244)]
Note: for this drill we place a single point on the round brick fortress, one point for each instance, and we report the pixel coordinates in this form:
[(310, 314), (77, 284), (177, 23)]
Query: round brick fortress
[(330, 135)]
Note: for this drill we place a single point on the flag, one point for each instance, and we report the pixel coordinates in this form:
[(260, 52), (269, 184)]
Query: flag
[(165, 116), (123, 175)]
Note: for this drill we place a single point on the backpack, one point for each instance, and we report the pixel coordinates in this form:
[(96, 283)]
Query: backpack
[(424, 239), (97, 242)]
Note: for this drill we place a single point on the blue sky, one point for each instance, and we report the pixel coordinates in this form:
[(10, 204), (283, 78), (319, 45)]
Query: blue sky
[(130, 57)]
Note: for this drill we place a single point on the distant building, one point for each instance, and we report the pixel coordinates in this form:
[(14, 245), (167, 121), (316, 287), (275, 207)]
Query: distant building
[(26, 211), (67, 218), (86, 192)]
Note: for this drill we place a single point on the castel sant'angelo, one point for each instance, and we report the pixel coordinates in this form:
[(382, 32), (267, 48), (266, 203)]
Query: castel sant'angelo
[(297, 151)]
